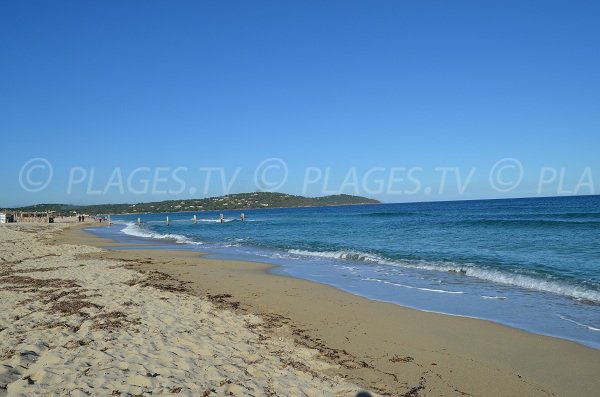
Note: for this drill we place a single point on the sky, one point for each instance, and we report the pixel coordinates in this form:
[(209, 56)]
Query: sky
[(130, 101)]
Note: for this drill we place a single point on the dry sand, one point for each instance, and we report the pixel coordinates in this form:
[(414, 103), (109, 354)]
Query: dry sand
[(72, 323), (225, 325)]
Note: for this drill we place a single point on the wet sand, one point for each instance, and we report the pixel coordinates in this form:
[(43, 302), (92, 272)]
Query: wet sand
[(383, 347)]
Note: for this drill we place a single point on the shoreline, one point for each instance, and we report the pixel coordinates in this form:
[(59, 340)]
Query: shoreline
[(395, 347), (184, 245)]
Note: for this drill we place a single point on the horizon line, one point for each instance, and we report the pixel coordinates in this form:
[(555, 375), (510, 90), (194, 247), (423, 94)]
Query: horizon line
[(380, 202)]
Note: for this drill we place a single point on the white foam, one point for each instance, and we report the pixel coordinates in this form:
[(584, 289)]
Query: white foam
[(578, 323), (527, 282), (211, 220), (441, 291), (135, 230), (349, 255), (487, 274)]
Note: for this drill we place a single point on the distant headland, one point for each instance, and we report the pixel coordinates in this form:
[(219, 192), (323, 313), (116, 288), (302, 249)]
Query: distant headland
[(230, 201)]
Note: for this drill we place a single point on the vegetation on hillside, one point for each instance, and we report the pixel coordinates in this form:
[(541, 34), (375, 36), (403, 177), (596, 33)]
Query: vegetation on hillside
[(231, 201)]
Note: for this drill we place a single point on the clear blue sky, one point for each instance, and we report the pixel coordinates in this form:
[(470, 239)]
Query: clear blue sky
[(336, 84)]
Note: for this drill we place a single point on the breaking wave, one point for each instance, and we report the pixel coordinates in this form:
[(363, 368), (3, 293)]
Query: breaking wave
[(134, 230), (531, 282)]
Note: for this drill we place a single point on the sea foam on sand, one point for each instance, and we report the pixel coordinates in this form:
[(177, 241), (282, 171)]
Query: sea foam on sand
[(83, 326)]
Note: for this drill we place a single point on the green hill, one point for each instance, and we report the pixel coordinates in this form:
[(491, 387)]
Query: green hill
[(231, 201)]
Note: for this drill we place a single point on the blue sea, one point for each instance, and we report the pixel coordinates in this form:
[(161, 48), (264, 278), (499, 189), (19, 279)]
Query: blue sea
[(532, 264)]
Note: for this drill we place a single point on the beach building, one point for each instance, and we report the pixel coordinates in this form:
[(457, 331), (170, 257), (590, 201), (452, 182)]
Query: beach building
[(35, 216), (6, 218)]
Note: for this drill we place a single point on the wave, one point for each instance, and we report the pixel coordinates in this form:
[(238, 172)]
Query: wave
[(210, 220), (392, 214), (579, 215), (530, 282), (441, 291), (531, 222), (348, 255), (578, 323), (191, 220), (134, 230), (558, 215)]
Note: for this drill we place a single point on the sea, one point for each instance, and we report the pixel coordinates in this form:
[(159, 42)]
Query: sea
[(531, 264)]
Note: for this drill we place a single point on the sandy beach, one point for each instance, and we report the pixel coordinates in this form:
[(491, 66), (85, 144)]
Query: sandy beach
[(80, 319), (72, 323)]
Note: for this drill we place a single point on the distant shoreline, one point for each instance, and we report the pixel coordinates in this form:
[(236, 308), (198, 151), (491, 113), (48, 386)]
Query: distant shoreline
[(249, 209), (240, 201)]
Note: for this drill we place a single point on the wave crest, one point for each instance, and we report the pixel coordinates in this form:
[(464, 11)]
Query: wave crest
[(534, 222), (483, 273), (135, 230)]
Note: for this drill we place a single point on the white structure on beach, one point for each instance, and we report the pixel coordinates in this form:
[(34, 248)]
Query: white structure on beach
[(6, 218)]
